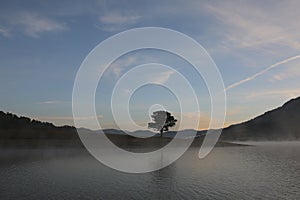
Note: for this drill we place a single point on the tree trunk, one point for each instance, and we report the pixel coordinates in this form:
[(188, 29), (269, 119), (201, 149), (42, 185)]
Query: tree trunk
[(161, 132)]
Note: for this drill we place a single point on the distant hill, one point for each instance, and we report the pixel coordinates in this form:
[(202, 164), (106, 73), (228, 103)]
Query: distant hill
[(14, 127), (282, 123), (279, 124)]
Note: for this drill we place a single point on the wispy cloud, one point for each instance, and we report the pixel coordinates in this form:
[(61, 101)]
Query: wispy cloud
[(34, 24), (162, 77), (118, 66), (288, 93), (249, 24), (149, 77), (250, 78), (53, 102), (116, 21), (84, 118), (119, 19), (122, 64), (289, 73), (4, 32)]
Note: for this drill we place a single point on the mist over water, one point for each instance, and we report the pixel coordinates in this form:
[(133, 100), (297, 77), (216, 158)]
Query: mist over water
[(265, 171), (270, 143)]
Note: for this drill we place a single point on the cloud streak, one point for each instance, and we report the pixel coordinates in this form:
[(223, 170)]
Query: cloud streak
[(4, 32), (30, 24), (118, 66), (162, 77), (250, 78), (288, 93), (248, 24), (116, 21), (34, 25), (84, 118), (53, 102)]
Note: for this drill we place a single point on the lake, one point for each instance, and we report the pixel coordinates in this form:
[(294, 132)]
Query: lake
[(264, 171)]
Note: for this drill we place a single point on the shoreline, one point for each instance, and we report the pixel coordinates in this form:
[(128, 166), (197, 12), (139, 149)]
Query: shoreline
[(122, 141)]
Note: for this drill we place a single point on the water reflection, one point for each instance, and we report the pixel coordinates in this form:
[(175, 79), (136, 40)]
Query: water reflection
[(261, 172)]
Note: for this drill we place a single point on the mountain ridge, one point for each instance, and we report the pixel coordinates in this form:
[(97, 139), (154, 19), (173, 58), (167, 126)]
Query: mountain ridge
[(278, 124), (281, 123)]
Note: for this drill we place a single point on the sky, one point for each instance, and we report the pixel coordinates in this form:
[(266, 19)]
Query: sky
[(254, 44)]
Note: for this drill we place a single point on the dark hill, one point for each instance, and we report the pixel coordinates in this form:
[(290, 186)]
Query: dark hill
[(14, 127), (24, 132), (282, 123)]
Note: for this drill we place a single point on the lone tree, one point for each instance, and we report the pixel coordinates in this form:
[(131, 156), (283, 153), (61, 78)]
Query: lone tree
[(162, 120)]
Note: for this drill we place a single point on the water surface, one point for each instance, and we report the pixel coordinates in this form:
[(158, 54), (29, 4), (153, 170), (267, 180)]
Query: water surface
[(265, 171)]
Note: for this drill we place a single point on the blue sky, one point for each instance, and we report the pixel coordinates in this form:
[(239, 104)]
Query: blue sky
[(255, 44)]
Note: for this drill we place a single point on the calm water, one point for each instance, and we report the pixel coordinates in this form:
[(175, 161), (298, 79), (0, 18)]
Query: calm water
[(261, 172)]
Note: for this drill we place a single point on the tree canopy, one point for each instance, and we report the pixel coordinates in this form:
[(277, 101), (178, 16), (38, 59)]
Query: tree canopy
[(162, 120)]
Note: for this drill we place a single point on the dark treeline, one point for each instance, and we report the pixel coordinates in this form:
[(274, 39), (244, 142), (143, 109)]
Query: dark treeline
[(14, 127), (279, 124), (12, 121), (282, 123)]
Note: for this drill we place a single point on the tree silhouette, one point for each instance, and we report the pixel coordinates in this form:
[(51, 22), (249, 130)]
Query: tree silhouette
[(162, 120)]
